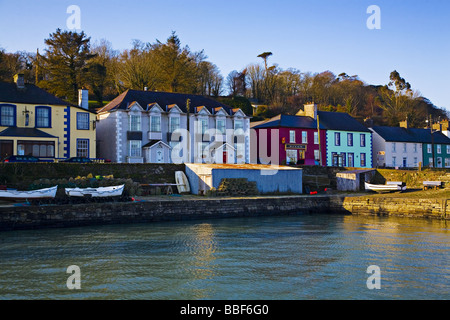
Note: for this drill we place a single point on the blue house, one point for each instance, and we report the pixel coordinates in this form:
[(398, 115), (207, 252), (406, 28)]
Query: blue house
[(348, 142)]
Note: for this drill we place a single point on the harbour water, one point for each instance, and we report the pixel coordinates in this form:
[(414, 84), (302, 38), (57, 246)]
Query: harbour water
[(265, 258)]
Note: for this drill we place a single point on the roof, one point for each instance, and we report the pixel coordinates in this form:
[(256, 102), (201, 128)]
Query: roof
[(30, 94), (164, 99), (151, 143), (25, 132), (414, 135), (340, 121), (287, 121)]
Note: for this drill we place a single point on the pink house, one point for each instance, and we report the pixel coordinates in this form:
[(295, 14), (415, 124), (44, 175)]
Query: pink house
[(289, 140)]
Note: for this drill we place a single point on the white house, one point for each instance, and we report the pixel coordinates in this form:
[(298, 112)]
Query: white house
[(153, 127)]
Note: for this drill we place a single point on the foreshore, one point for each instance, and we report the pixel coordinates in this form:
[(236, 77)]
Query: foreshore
[(420, 204)]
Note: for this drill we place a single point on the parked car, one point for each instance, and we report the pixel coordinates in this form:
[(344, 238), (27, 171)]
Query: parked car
[(78, 160), (20, 159)]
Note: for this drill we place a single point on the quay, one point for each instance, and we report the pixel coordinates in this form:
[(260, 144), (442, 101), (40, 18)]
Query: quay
[(189, 207)]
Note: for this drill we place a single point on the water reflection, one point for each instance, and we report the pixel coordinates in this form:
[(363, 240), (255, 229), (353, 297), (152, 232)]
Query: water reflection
[(297, 257)]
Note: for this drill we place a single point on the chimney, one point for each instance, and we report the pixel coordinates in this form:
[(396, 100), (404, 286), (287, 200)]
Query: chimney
[(368, 122), (310, 110), (19, 80), (404, 124), (83, 98)]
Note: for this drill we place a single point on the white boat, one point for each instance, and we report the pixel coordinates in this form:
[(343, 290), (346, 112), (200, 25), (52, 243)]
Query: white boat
[(47, 193), (101, 192), (385, 187), (182, 182)]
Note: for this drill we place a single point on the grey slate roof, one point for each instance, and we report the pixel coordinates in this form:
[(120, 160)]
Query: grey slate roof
[(25, 132), (30, 94), (340, 121), (163, 99), (414, 135), (287, 121)]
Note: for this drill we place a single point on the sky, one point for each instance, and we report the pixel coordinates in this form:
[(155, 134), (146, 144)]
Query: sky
[(309, 35)]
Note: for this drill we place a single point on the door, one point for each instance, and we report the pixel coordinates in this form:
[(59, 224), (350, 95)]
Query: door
[(350, 160), (225, 156), (6, 148), (159, 156)]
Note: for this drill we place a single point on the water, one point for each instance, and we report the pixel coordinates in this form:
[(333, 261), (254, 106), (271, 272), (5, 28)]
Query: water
[(271, 258)]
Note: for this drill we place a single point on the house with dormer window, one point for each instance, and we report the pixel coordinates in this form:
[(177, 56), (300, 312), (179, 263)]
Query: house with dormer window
[(34, 122), (162, 127)]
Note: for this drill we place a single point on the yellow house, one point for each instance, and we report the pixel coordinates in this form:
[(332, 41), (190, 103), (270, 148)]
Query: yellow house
[(34, 122)]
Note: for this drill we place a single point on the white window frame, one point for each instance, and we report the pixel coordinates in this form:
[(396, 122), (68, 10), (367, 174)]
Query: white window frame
[(135, 120), (304, 137), (135, 148), (291, 136), (154, 126)]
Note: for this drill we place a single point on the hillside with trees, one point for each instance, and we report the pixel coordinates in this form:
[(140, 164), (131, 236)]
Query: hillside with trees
[(72, 61)]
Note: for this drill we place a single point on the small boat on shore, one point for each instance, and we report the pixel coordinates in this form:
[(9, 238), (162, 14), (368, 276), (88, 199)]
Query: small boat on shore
[(390, 186), (10, 194), (101, 192)]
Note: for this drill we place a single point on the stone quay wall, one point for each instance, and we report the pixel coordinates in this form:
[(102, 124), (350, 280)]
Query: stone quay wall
[(61, 216)]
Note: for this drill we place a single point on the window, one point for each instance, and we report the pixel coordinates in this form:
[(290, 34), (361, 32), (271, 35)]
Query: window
[(351, 159), (83, 148), (430, 160), (363, 140), (317, 155), (202, 125), (363, 159), (304, 137), (220, 126), (429, 148), (135, 122), (292, 136), (291, 156), (238, 124), (337, 139), (438, 148), (155, 123), (404, 147), (448, 149), (405, 162), (43, 117), (335, 159), (7, 115), (416, 163), (415, 147), (135, 148), (350, 139), (343, 159), (394, 147), (316, 137), (174, 124), (82, 121), (447, 162), (40, 149), (394, 161)]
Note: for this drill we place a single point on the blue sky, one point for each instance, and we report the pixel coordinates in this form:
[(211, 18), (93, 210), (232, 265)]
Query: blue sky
[(312, 36)]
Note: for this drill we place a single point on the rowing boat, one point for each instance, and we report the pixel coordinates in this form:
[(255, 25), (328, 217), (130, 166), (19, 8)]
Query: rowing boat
[(101, 192), (46, 193), (385, 187)]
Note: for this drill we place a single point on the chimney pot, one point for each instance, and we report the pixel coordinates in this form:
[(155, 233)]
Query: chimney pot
[(19, 80)]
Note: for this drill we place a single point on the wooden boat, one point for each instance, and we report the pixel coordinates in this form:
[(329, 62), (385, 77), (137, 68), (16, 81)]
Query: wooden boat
[(46, 193), (101, 192), (393, 186), (182, 182)]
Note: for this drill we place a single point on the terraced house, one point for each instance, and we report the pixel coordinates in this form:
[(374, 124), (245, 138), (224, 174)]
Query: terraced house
[(348, 143), (162, 127), (34, 122), (410, 147)]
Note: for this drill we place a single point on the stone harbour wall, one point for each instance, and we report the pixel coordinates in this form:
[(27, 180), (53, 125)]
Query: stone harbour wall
[(61, 216)]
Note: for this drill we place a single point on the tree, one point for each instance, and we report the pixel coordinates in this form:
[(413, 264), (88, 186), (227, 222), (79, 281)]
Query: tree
[(65, 63)]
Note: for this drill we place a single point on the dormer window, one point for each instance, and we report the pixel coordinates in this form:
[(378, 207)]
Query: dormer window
[(220, 126)]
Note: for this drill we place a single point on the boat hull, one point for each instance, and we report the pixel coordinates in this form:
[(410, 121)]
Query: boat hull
[(384, 187), (46, 193), (102, 192)]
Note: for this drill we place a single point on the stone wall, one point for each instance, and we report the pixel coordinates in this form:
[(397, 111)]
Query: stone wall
[(14, 218), (399, 207)]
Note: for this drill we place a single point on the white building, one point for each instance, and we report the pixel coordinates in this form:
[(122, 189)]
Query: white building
[(153, 127)]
